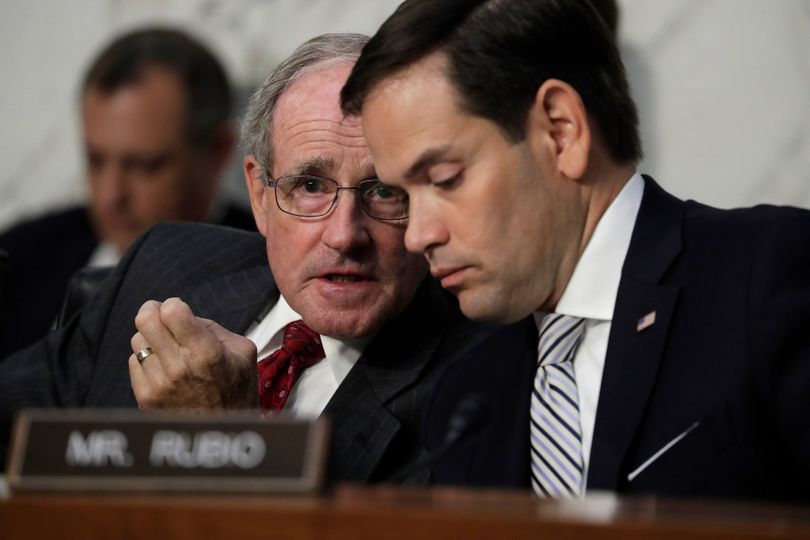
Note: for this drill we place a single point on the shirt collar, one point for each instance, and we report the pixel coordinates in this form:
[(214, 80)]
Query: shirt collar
[(342, 355), (105, 254), (593, 287)]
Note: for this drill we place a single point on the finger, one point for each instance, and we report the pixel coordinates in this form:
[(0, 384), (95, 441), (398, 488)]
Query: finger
[(148, 374), (138, 380), (151, 327), (188, 331), (137, 342), (151, 333), (236, 343), (149, 382)]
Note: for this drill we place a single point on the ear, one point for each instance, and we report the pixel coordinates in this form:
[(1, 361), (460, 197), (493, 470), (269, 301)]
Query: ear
[(558, 118), (257, 189)]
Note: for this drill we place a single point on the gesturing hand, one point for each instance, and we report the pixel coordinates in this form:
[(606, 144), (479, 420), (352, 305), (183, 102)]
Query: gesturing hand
[(195, 363)]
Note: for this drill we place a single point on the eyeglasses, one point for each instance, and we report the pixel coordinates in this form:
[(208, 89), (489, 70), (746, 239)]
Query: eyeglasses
[(304, 195)]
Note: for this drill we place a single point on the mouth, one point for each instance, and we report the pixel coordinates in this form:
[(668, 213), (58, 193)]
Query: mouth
[(339, 275), (342, 287), (449, 277), (116, 221), (344, 278)]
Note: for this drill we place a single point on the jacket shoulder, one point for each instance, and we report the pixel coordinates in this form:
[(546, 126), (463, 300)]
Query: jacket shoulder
[(67, 228)]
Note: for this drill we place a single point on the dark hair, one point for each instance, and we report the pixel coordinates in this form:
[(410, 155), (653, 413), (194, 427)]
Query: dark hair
[(123, 62), (609, 11), (499, 52)]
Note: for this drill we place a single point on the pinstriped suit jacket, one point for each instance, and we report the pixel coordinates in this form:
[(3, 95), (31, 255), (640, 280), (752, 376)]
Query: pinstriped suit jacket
[(224, 276), (44, 253)]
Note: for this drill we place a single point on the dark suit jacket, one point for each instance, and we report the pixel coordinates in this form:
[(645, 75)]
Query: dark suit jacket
[(729, 353), (43, 255), (223, 275)]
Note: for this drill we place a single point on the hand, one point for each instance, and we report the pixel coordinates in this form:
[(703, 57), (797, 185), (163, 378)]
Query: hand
[(195, 365)]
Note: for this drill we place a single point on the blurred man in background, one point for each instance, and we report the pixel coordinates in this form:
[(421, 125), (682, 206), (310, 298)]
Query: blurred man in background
[(156, 119)]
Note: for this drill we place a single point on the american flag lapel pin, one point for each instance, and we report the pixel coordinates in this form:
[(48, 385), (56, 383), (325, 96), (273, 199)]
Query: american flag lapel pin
[(646, 321)]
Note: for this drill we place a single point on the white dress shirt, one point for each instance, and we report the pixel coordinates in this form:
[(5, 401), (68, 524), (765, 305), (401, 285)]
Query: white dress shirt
[(318, 383), (591, 294), (105, 254)]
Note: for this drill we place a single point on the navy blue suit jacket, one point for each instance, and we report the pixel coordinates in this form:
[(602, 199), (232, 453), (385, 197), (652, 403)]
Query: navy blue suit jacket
[(223, 275), (729, 353)]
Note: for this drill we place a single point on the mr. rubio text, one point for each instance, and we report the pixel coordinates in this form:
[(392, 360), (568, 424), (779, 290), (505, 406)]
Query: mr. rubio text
[(205, 449)]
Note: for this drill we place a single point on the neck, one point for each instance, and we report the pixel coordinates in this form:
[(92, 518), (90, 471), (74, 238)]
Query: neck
[(599, 188)]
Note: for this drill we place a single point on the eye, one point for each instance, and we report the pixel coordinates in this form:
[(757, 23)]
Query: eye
[(448, 183), (306, 185), (445, 175), (376, 190), (94, 160), (152, 164), (379, 190), (146, 165), (383, 192), (312, 186)]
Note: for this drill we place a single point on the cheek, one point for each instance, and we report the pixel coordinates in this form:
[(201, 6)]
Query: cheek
[(278, 251), (416, 268), (402, 285), (290, 246), (284, 267), (402, 269), (158, 195), (389, 241)]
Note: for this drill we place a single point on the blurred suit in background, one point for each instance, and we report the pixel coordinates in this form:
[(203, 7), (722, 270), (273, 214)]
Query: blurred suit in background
[(156, 120)]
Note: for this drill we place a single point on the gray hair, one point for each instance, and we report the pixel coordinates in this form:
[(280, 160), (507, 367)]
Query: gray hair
[(257, 126)]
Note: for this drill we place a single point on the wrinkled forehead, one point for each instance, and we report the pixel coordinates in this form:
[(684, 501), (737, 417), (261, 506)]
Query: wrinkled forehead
[(309, 127)]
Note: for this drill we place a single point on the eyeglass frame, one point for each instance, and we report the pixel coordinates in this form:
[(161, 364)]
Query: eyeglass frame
[(273, 183)]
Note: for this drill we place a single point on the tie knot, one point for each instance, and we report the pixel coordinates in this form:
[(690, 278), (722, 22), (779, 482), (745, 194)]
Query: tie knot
[(559, 337), (303, 342), (300, 349)]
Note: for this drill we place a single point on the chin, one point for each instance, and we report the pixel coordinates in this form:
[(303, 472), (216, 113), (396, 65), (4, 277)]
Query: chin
[(347, 326), (120, 243), (484, 310)]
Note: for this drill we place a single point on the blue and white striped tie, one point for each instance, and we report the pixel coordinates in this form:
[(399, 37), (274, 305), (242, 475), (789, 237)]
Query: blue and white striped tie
[(556, 436)]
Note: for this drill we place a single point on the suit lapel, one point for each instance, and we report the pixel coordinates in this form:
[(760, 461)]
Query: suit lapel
[(235, 300), (365, 409), (636, 345)]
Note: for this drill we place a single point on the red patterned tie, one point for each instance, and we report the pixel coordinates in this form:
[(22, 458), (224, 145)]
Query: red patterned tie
[(278, 372)]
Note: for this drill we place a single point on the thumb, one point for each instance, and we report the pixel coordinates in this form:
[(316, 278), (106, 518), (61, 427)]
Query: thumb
[(233, 343)]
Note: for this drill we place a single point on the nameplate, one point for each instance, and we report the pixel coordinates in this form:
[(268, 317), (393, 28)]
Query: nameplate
[(130, 450)]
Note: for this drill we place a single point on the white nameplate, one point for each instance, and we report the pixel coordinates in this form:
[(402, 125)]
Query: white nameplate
[(130, 450)]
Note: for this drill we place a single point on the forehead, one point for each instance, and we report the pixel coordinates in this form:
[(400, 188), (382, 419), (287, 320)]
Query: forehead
[(413, 117), (149, 111), (308, 125)]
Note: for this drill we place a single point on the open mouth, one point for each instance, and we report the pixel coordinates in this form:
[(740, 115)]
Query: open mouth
[(343, 278)]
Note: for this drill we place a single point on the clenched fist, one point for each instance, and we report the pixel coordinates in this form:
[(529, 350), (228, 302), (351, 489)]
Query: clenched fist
[(195, 363)]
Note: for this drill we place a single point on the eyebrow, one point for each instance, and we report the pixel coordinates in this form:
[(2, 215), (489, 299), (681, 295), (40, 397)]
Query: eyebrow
[(324, 165), (315, 166), (428, 157)]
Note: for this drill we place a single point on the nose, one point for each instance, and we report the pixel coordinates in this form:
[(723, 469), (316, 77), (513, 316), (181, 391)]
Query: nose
[(109, 187), (346, 226), (425, 230)]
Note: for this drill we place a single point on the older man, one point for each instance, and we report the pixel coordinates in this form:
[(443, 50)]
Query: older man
[(673, 353), (346, 321)]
